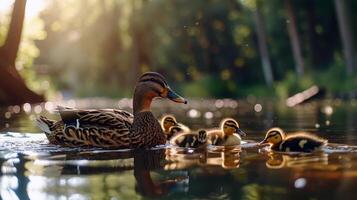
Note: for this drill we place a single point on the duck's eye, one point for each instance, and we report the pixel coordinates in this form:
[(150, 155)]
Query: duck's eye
[(276, 137)]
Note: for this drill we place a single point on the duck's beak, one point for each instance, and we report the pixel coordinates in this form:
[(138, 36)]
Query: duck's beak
[(175, 97), (240, 132)]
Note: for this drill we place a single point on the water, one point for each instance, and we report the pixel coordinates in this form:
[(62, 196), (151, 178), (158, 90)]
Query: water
[(33, 169)]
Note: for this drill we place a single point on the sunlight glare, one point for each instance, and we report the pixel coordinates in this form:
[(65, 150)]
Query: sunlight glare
[(33, 7)]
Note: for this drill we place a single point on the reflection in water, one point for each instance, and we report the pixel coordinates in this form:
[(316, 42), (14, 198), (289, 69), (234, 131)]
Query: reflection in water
[(279, 160), (32, 169)]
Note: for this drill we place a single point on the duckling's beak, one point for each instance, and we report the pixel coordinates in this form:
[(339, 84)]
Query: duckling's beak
[(265, 141), (175, 97), (241, 133)]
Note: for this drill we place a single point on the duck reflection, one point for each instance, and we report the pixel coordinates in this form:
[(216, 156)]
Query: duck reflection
[(109, 173), (315, 161), (144, 165), (227, 158), (13, 171)]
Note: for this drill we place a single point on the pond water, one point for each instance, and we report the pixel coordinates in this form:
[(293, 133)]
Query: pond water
[(33, 169)]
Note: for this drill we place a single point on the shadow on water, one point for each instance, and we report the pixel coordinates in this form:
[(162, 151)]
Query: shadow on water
[(33, 169)]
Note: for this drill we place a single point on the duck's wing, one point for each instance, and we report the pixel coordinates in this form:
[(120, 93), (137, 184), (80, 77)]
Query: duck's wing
[(182, 139), (215, 137), (111, 118), (232, 140), (301, 144), (93, 136)]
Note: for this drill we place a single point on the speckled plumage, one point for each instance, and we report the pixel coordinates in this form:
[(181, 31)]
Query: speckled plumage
[(112, 128), (98, 128), (192, 140), (143, 135), (299, 143)]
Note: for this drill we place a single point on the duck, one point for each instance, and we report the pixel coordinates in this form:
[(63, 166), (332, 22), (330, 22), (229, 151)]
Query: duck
[(190, 139), (298, 142), (113, 128), (171, 127), (229, 133)]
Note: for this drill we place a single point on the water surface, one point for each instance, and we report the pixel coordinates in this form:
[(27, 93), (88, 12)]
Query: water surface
[(33, 169)]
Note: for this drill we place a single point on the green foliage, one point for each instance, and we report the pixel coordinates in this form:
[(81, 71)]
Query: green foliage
[(208, 48), (292, 84), (208, 86), (334, 79)]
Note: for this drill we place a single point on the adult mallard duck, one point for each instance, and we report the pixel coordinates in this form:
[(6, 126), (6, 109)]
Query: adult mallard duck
[(171, 127), (114, 128), (192, 140), (298, 142), (229, 134)]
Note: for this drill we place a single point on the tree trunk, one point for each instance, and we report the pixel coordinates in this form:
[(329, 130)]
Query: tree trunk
[(346, 34), (13, 89), (294, 39), (263, 48), (315, 52)]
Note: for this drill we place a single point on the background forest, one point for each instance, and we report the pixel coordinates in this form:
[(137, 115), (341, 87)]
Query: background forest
[(206, 48)]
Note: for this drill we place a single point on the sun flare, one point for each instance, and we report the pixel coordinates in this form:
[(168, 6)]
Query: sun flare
[(33, 7)]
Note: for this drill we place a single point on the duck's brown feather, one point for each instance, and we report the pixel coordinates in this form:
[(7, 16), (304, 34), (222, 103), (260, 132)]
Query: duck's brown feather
[(104, 128)]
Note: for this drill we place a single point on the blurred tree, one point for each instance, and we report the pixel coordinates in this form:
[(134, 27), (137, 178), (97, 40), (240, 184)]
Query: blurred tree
[(262, 43), (13, 89), (294, 38), (346, 34), (204, 47)]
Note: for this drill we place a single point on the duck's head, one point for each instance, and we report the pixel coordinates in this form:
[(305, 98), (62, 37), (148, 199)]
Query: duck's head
[(152, 85), (167, 122), (230, 126), (202, 136), (274, 136)]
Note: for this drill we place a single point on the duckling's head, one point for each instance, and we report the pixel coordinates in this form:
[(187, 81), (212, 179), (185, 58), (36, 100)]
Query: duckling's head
[(274, 136), (150, 86), (167, 122), (230, 126), (202, 136)]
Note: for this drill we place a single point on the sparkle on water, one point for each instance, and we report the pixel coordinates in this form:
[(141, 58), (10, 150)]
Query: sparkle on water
[(33, 169)]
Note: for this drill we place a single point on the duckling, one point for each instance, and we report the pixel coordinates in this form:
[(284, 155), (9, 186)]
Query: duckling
[(193, 140), (170, 126), (298, 142), (228, 135), (111, 128)]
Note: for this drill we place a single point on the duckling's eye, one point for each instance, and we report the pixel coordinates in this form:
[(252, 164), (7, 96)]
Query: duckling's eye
[(276, 137)]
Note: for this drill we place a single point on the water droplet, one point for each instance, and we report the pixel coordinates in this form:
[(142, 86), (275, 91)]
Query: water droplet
[(49, 106), (327, 122), (300, 183), (38, 109), (328, 110), (7, 115), (16, 109), (317, 125), (193, 113), (27, 107), (219, 103), (258, 107), (208, 115)]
